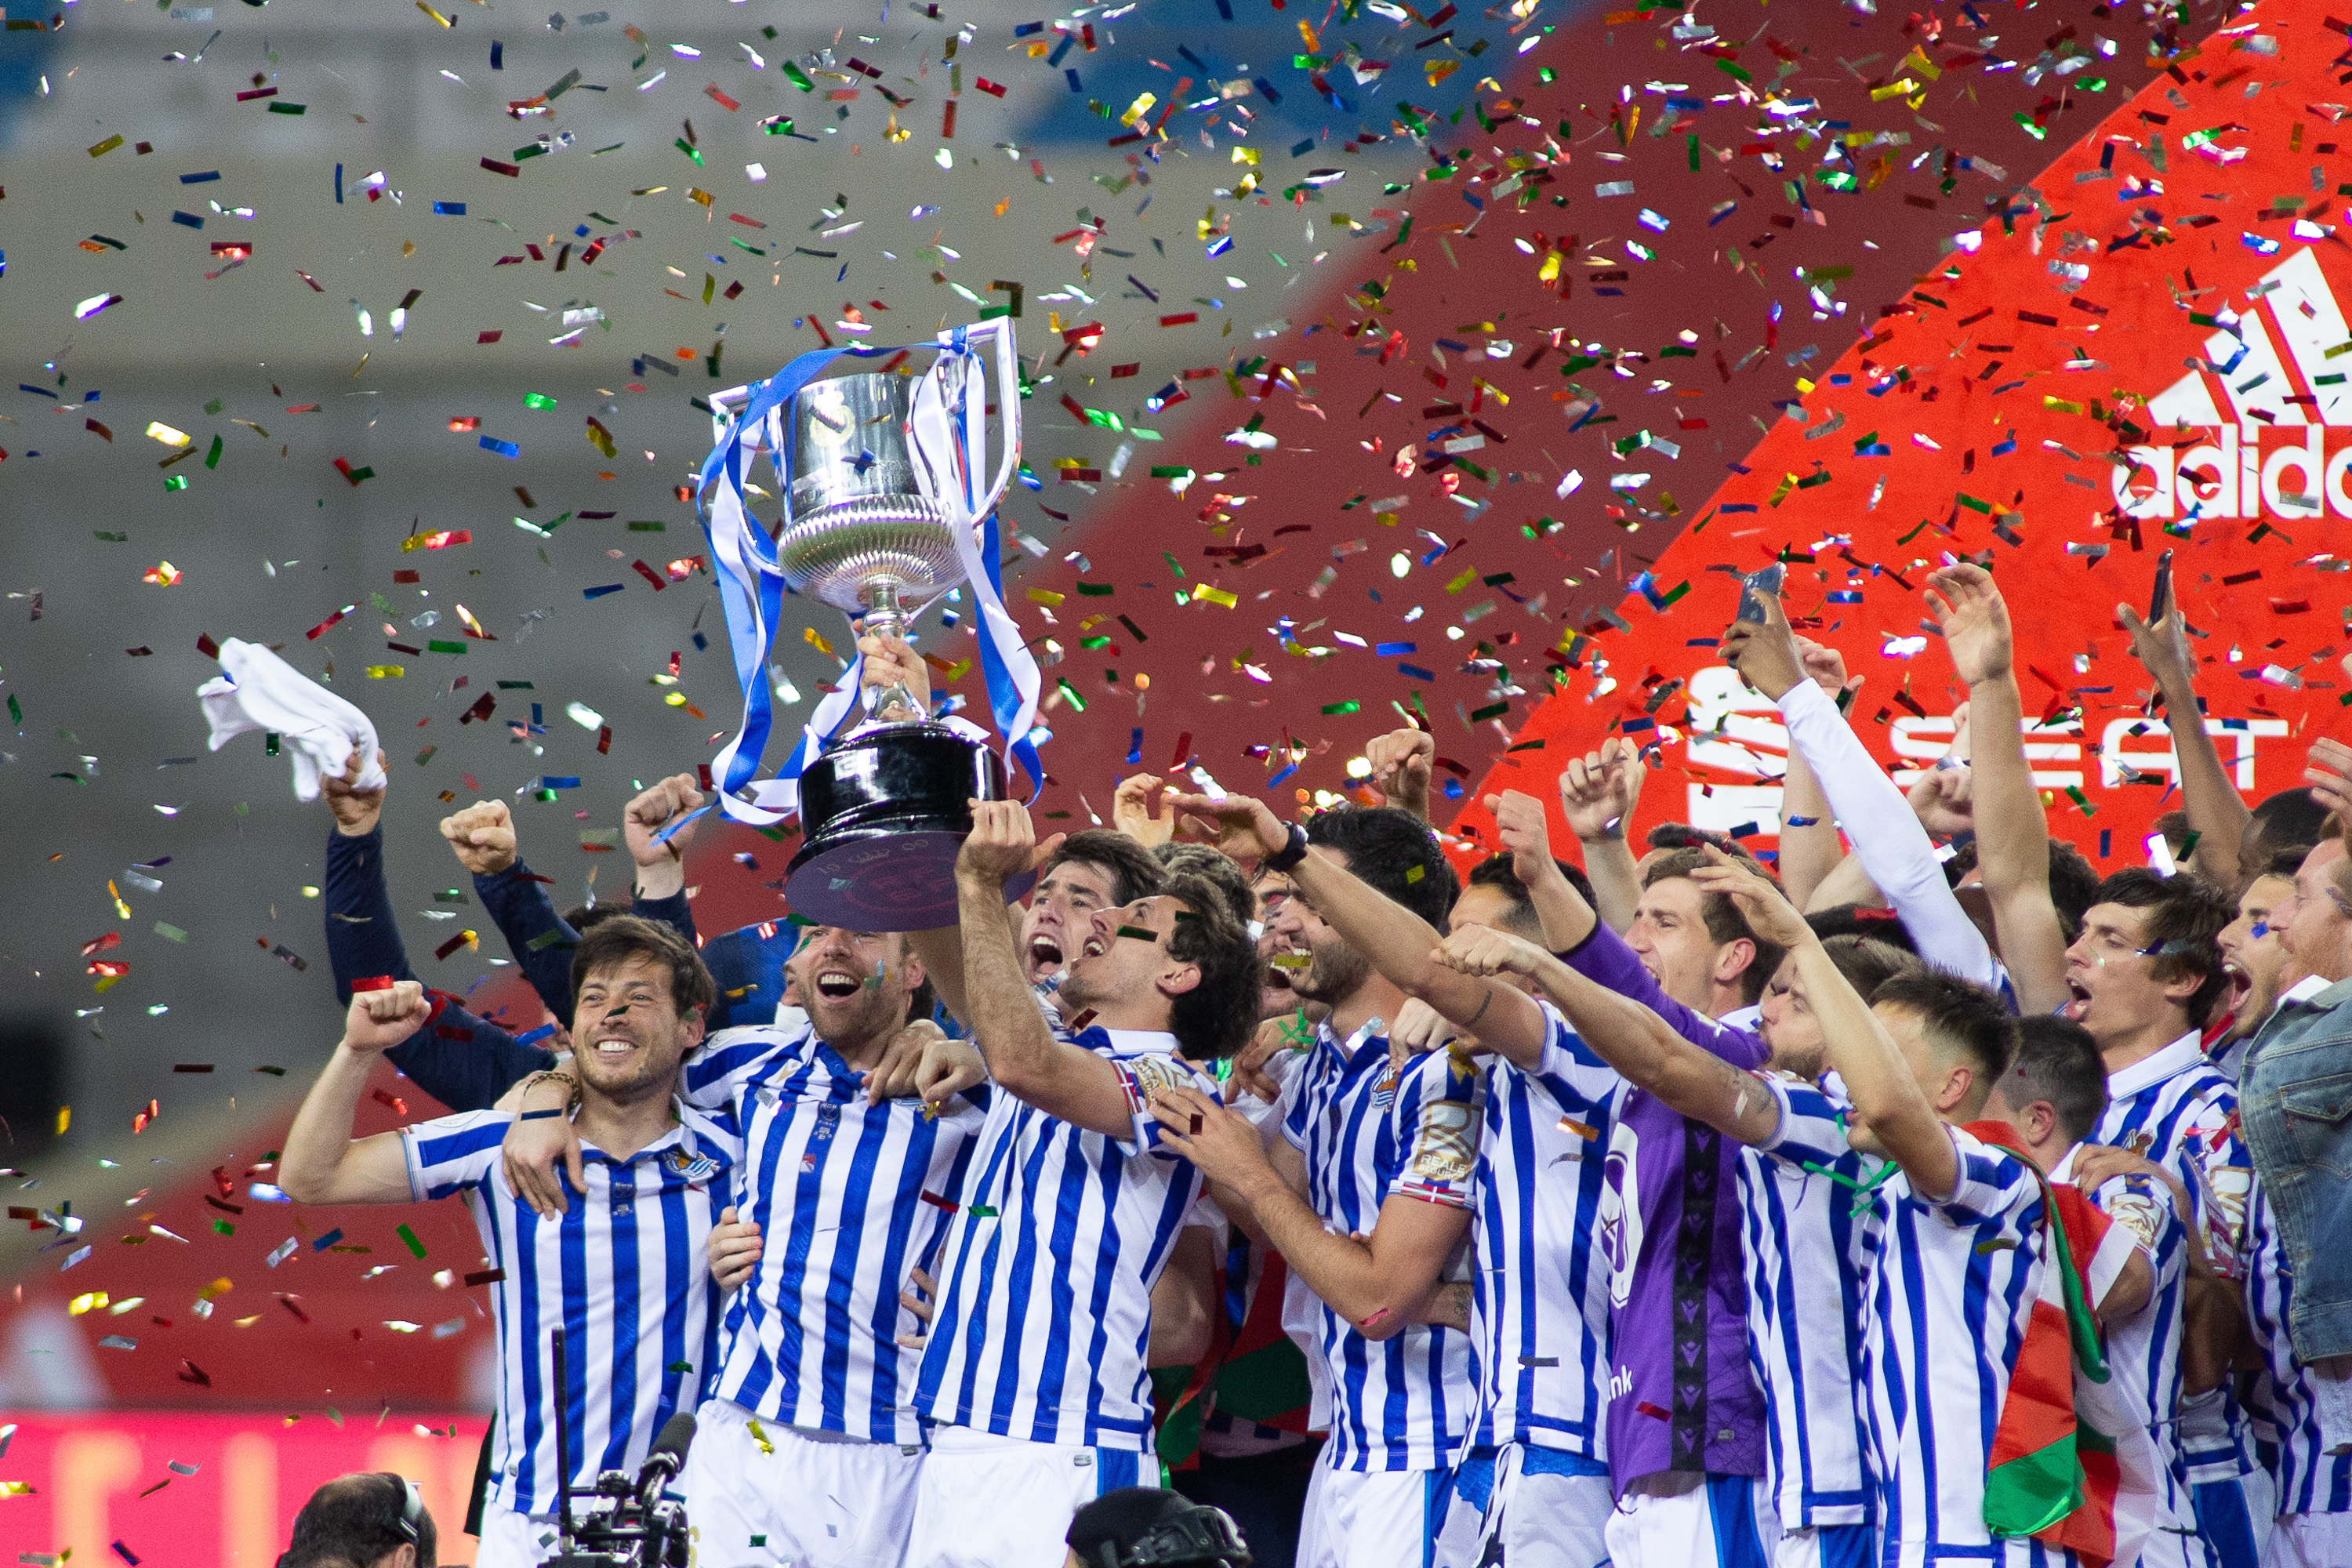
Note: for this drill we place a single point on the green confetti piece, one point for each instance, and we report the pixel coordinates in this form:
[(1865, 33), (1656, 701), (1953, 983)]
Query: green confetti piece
[(538, 400), (170, 933), (981, 1211), (408, 1238), (176, 482), (1330, 708), (211, 459), (798, 77), (16, 711)]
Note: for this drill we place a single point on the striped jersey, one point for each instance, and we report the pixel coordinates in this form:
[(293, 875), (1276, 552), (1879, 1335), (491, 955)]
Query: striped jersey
[(1540, 1293), (1950, 1287), (1044, 1304), (623, 1271), (849, 1198), (1803, 1227), (2144, 1350), (2178, 1110), (2310, 1479), (1368, 1128)]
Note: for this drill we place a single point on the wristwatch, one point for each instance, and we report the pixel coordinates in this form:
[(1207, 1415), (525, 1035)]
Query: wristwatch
[(1291, 854)]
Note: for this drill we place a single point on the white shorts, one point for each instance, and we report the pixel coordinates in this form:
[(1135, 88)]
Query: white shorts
[(1721, 1522), (1539, 1519), (1371, 1519), (985, 1502), (2309, 1540), (807, 1503)]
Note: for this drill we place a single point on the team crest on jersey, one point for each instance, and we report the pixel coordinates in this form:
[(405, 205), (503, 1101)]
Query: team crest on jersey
[(1384, 1091), (692, 1167)]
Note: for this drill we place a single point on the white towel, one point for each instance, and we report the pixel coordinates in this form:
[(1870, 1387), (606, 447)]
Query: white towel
[(258, 690)]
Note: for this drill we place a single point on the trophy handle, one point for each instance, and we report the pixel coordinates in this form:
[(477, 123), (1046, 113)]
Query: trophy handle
[(1008, 408)]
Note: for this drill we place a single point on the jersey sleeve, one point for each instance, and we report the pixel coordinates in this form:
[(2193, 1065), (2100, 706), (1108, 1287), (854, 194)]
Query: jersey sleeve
[(1573, 1073), (1886, 834), (719, 1069), (446, 1156), (1436, 1120), (1812, 1134), (1993, 1181), (2140, 1208)]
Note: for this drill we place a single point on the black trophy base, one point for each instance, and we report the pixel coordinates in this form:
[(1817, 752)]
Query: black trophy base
[(883, 814)]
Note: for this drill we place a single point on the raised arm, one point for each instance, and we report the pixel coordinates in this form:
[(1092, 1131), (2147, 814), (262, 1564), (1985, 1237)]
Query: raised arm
[(1643, 1048), (2012, 833), (2217, 813), (1878, 1081), (1597, 792), (1024, 1056), (1809, 849), (1381, 1282), (362, 935), (1887, 837), (1401, 762), (1519, 824), (1397, 942), (323, 1163)]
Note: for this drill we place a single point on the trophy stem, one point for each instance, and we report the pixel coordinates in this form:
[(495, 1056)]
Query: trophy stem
[(886, 614)]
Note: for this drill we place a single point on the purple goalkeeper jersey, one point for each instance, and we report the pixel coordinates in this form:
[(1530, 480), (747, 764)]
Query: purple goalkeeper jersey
[(1681, 1396)]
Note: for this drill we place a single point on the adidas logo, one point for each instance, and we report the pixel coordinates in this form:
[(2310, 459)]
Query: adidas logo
[(2271, 399)]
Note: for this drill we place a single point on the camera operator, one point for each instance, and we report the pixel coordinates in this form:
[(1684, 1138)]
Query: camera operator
[(365, 1520), (1145, 1526)]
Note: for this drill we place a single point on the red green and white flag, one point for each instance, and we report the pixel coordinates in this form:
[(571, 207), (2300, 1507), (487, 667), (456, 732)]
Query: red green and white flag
[(2071, 1464)]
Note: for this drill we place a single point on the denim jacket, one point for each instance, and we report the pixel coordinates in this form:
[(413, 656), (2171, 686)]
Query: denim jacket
[(2295, 1105)]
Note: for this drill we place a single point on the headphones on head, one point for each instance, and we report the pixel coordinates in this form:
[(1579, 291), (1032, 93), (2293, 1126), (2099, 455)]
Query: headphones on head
[(1199, 1535), (412, 1508)]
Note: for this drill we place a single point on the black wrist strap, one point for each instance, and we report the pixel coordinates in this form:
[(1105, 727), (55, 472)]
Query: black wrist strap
[(1291, 854)]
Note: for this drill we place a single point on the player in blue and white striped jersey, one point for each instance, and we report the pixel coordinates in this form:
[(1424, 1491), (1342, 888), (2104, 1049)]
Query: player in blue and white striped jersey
[(1537, 1486), (622, 1272), (2144, 977), (2314, 1528), (1802, 1233), (855, 1189), (1952, 1278), (1033, 1379)]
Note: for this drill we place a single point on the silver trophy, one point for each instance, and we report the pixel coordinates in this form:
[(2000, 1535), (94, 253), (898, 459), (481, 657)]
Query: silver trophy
[(884, 470)]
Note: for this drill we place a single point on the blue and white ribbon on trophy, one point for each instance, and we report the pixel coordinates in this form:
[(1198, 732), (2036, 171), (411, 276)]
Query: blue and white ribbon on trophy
[(948, 437)]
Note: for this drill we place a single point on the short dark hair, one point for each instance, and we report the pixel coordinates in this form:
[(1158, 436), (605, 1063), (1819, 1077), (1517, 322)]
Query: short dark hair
[(2290, 817), (1134, 874), (1959, 1016), (2285, 862), (1866, 963), (1200, 860), (2185, 915), (1495, 871), (1217, 1017), (2057, 1060), (355, 1520), (588, 917), (1724, 921), (1392, 852), (614, 942), (1882, 926), (1683, 835)]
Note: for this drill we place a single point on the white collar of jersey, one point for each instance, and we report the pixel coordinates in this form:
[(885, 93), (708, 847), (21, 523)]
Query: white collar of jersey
[(2177, 1057), (2062, 1173), (1136, 1042), (1372, 1028), (2305, 989), (1747, 1020)]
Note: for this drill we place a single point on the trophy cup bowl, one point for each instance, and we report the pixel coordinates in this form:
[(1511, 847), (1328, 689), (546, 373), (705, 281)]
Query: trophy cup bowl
[(884, 809)]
